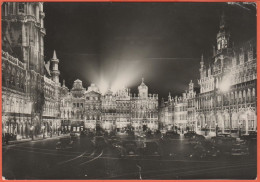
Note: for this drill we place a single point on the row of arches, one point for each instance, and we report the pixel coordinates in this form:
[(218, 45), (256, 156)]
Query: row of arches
[(231, 98), (244, 120), (15, 105)]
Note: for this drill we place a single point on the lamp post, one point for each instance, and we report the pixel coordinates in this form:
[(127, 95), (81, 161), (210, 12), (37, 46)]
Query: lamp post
[(43, 131), (31, 131)]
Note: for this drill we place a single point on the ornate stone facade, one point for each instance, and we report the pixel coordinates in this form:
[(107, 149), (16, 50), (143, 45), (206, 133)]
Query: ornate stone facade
[(110, 112), (144, 109), (29, 106), (227, 99)]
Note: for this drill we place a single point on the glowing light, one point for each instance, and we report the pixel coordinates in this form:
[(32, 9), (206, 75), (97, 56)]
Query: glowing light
[(103, 86), (225, 84), (117, 75)]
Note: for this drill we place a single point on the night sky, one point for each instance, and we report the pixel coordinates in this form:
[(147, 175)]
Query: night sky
[(161, 42)]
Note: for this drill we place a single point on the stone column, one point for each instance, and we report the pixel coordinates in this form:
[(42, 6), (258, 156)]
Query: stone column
[(246, 125), (23, 34)]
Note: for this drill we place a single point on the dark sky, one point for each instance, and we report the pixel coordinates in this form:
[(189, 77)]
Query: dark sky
[(161, 42)]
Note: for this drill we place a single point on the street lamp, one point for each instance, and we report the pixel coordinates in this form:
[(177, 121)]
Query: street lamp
[(31, 131), (43, 131)]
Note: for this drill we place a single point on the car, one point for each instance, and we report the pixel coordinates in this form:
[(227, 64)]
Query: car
[(141, 135), (83, 133), (91, 134), (223, 136), (74, 135), (149, 134), (223, 144), (171, 135), (64, 143), (249, 136), (205, 150), (99, 141), (190, 134), (157, 134), (239, 149), (112, 139), (151, 149), (196, 139), (128, 149)]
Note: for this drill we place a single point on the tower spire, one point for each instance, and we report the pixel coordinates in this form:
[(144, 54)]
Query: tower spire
[(222, 22), (202, 61), (169, 97), (54, 55), (55, 68)]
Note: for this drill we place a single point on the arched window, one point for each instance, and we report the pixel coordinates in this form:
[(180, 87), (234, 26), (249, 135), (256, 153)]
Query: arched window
[(240, 97), (253, 93), (21, 8), (244, 96)]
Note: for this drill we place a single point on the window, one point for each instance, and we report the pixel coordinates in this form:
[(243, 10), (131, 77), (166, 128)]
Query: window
[(21, 8), (11, 8)]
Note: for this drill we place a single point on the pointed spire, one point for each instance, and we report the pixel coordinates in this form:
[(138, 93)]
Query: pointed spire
[(202, 61), (63, 83), (169, 96), (162, 102), (54, 55), (142, 79), (222, 20)]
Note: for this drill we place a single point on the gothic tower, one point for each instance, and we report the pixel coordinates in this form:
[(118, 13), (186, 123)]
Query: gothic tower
[(143, 90), (54, 68), (23, 32), (223, 36)]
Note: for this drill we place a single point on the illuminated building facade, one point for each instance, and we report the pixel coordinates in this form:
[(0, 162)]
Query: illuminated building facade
[(180, 114), (29, 95), (144, 109), (227, 99), (108, 111), (119, 111), (92, 107), (166, 114), (123, 109), (191, 108)]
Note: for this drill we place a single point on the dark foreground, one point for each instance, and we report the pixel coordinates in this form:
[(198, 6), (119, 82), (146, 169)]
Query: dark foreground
[(41, 160)]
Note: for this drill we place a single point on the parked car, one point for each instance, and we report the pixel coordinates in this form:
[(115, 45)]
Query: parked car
[(223, 144), (151, 149), (240, 149), (249, 136), (171, 135), (112, 139), (83, 133), (157, 134), (190, 134), (74, 135), (99, 141), (223, 136), (128, 149), (64, 143), (205, 150), (196, 139), (91, 134)]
